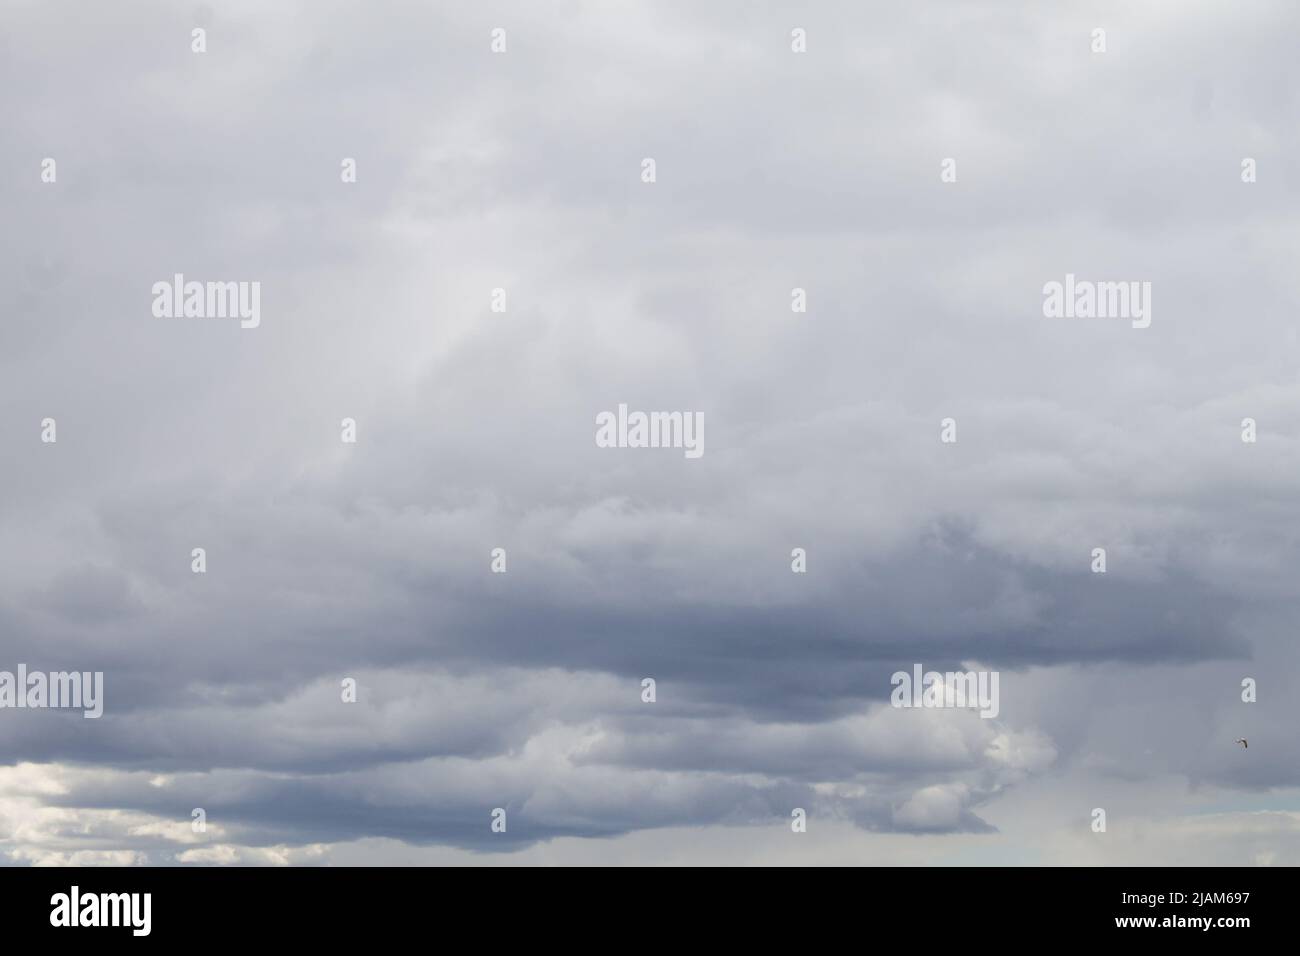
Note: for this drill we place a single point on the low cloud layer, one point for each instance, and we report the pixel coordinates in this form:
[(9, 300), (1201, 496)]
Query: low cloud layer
[(523, 691)]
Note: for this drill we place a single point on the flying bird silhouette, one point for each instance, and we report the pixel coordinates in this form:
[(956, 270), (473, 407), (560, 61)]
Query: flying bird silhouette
[(1242, 741)]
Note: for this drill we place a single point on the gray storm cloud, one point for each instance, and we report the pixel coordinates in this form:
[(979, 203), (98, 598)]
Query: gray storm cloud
[(521, 171)]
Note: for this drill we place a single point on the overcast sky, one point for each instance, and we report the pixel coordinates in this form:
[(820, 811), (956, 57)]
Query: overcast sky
[(522, 170)]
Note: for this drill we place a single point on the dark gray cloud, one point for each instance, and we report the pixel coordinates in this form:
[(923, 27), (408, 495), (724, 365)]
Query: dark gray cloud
[(521, 171)]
